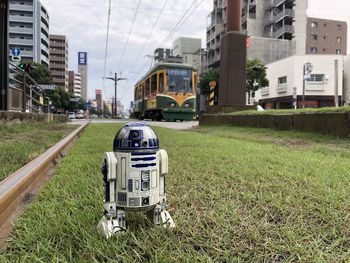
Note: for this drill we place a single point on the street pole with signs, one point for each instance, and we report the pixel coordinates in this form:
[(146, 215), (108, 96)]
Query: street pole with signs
[(306, 75), (115, 79)]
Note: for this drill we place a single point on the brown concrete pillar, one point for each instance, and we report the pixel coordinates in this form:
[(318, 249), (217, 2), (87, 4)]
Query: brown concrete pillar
[(234, 15), (232, 89)]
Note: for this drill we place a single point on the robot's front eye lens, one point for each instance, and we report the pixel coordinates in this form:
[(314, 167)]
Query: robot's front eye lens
[(135, 134)]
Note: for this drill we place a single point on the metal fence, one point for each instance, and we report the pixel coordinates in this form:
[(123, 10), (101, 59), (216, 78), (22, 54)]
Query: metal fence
[(24, 93)]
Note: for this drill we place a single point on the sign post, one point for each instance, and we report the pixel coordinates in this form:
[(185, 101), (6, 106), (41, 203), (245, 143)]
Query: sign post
[(15, 54), (212, 85)]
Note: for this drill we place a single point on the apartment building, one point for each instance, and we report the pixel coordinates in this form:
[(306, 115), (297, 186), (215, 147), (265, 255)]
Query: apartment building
[(59, 60), (326, 36), (29, 30), (166, 55), (74, 84), (276, 29)]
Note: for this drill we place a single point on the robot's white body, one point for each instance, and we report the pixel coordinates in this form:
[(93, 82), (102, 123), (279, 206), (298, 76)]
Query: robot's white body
[(134, 181)]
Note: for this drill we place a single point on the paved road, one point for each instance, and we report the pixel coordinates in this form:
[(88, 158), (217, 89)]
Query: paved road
[(171, 125)]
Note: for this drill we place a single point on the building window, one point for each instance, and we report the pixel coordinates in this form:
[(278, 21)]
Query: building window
[(316, 79), (282, 80), (339, 27), (338, 51), (314, 24), (313, 50), (314, 36), (339, 39)]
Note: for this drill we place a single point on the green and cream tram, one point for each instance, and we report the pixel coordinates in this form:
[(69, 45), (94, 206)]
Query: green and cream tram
[(166, 92)]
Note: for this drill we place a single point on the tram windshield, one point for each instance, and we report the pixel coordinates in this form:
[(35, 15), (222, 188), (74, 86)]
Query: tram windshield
[(179, 80)]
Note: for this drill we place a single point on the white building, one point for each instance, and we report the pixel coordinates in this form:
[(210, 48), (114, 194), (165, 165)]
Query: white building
[(77, 85), (29, 30), (286, 82)]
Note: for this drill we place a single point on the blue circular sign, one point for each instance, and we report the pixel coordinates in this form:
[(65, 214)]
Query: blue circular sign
[(16, 52)]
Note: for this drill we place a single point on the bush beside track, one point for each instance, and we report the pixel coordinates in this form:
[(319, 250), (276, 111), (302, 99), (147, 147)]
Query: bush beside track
[(233, 199)]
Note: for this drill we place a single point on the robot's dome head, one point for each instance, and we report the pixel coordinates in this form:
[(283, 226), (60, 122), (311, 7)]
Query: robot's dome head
[(135, 136)]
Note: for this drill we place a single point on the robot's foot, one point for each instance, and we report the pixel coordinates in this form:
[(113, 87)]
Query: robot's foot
[(107, 227), (162, 217)]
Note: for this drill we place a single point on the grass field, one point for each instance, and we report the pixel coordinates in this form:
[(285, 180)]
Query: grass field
[(239, 196), (292, 111), (20, 143)]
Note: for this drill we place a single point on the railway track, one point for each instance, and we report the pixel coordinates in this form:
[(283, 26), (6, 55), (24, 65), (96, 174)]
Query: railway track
[(18, 188)]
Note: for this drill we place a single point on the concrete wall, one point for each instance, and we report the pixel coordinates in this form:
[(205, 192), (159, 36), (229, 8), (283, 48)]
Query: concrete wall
[(300, 8), (292, 67), (346, 80), (269, 50), (31, 117), (335, 124)]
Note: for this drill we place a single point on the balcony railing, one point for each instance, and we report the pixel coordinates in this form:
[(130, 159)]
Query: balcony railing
[(264, 91), (282, 88), (285, 13), (284, 30)]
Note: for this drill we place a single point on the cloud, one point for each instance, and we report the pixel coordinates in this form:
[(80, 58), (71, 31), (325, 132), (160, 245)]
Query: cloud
[(85, 25)]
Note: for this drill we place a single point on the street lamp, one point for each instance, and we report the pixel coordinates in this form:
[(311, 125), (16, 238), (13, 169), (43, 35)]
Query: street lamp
[(115, 79), (308, 67)]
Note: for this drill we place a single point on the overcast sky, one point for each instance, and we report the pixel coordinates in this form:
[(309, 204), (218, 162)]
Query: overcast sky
[(85, 25)]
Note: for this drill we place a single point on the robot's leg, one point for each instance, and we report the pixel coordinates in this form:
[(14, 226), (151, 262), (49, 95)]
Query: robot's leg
[(108, 227), (162, 217)]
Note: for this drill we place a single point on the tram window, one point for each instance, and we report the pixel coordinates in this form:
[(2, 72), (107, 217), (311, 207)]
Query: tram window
[(161, 83), (179, 80), (147, 87), (154, 84)]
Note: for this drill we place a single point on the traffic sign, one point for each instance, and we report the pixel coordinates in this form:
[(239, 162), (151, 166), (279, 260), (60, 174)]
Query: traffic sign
[(16, 52)]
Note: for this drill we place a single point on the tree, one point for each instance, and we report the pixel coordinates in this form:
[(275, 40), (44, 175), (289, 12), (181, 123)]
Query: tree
[(205, 78), (60, 100), (256, 77), (39, 72)]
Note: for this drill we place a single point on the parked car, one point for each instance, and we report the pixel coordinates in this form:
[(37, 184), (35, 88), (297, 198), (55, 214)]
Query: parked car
[(71, 115), (79, 115)]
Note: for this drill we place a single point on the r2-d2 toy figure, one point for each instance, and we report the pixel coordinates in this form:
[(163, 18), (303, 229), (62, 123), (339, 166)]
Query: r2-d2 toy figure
[(134, 179)]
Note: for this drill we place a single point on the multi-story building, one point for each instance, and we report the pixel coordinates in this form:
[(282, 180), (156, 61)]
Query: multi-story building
[(322, 86), (187, 48), (59, 60), (326, 36), (74, 84), (277, 29), (29, 30), (166, 55), (99, 99), (83, 71)]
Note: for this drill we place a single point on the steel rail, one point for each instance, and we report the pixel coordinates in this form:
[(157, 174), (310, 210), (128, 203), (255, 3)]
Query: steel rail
[(16, 184)]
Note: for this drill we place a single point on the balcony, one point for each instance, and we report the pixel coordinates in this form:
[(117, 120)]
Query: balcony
[(282, 88), (21, 30), (264, 91), (25, 19), (277, 3), (18, 7), (287, 29), (21, 42), (286, 13)]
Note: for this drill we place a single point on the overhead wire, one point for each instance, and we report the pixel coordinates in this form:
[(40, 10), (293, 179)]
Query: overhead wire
[(178, 22), (107, 41), (129, 34), (178, 25), (149, 34)]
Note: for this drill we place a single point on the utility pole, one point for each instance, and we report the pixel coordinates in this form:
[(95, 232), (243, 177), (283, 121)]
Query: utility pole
[(115, 79), (336, 80), (4, 54)]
